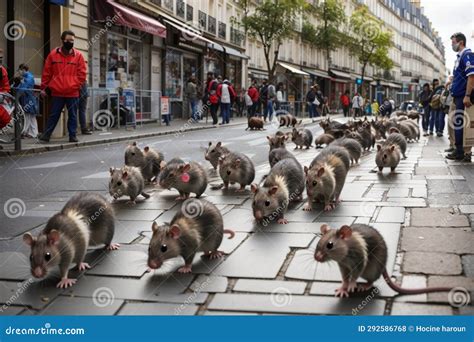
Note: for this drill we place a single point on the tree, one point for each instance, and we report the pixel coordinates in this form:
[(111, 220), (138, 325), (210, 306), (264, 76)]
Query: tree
[(328, 35), (369, 42), (271, 22)]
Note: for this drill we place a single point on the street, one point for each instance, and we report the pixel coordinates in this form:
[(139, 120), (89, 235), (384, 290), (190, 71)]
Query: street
[(424, 211)]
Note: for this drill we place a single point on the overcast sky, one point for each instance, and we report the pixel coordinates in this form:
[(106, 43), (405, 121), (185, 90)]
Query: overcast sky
[(449, 16)]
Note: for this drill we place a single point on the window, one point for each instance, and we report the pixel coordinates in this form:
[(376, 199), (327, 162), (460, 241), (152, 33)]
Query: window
[(222, 30), (173, 75), (180, 7), (189, 13), (202, 20), (211, 25)]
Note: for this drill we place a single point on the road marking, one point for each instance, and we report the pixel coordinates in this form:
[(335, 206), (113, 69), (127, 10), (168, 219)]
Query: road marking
[(46, 166), (98, 175)]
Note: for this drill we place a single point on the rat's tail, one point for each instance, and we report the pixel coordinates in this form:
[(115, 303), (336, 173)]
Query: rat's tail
[(401, 290), (229, 231)]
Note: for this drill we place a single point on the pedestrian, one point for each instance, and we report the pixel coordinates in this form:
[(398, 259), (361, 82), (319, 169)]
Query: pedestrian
[(435, 108), (368, 107), (311, 102), (424, 99), (325, 106), (375, 107), (345, 103), (357, 105), (462, 90), (192, 97), (254, 97), (446, 101), (240, 101), (63, 74), (211, 100), (386, 108), (28, 100), (271, 100), (264, 98), (83, 97), (280, 97), (392, 105), (4, 82), (226, 94)]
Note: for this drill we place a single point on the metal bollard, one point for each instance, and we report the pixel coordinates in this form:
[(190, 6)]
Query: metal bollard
[(17, 124)]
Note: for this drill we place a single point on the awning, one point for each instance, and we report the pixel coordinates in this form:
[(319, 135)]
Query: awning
[(340, 74), (117, 14), (366, 78), (386, 84), (190, 33), (340, 80), (66, 3), (261, 73), (293, 69), (236, 53), (317, 73), (394, 85)]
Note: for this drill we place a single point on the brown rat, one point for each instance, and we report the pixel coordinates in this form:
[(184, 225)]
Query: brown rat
[(213, 152), (149, 160), (323, 139), (302, 137), (184, 177), (395, 137), (388, 155), (235, 167), (197, 227), (127, 181), (360, 251), (86, 220), (352, 146), (255, 122)]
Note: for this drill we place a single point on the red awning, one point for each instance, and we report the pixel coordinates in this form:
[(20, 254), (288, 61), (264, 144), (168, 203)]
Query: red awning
[(117, 14)]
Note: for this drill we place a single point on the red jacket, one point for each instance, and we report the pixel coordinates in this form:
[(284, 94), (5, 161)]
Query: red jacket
[(64, 74), (232, 93), (4, 83), (345, 100), (253, 93)]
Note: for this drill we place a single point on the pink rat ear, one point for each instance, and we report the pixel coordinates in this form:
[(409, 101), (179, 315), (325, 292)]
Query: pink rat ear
[(175, 231), (154, 227), (392, 148), (321, 172), (53, 237), (28, 239), (254, 188), (379, 147), (186, 167), (344, 232), (111, 170), (324, 228), (273, 190), (146, 149)]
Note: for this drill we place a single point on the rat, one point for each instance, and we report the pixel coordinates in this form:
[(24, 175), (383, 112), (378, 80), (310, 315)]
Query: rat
[(184, 177), (277, 154), (302, 137), (127, 181), (288, 120), (283, 184), (149, 161), (395, 137), (360, 251), (326, 176), (197, 227), (388, 155), (323, 139), (278, 140), (353, 147), (357, 136), (255, 122), (213, 152), (87, 219), (235, 167)]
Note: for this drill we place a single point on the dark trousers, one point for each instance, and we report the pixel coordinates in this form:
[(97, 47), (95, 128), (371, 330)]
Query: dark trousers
[(57, 106), (437, 120), (426, 118), (82, 111), (345, 110), (225, 112), (458, 125), (214, 107)]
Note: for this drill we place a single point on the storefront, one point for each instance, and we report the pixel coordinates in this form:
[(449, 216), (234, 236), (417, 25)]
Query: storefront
[(296, 83)]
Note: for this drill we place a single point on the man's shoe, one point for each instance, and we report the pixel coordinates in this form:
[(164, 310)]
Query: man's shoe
[(86, 131), (467, 158), (431, 133), (439, 134), (449, 150), (454, 156), (73, 139), (43, 137)]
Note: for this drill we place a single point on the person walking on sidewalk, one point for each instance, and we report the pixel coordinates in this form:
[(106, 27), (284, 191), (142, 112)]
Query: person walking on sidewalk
[(271, 91), (311, 102), (226, 94), (27, 100), (264, 98), (375, 107), (424, 98), (345, 103), (357, 105), (192, 96), (436, 108), (83, 98), (254, 95), (63, 74), (446, 101), (211, 99), (462, 90)]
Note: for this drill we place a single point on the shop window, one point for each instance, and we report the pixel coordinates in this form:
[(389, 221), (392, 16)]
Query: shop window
[(211, 25), (173, 75), (189, 13), (180, 7), (202, 20), (222, 30)]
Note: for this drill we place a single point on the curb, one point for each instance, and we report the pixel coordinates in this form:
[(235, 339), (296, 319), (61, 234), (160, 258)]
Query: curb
[(66, 146)]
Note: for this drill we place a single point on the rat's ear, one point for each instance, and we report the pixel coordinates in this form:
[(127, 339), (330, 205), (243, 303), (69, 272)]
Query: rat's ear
[(344, 232), (210, 143), (269, 138), (134, 143), (306, 169), (174, 231), (111, 170), (146, 149), (186, 167), (219, 144), (254, 188), (321, 171), (324, 228), (379, 147), (237, 162), (273, 190), (392, 148), (154, 227), (28, 239), (53, 237), (221, 159)]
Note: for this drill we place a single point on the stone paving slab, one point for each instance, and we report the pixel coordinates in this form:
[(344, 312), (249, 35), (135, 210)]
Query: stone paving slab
[(450, 281), (14, 266), (287, 304), (212, 284), (432, 263), (35, 295), (411, 309), (450, 200), (127, 231), (157, 309), (138, 215), (269, 286), (437, 217), (262, 255), (82, 306), (468, 265), (440, 240), (12, 311), (16, 226), (391, 214), (466, 208), (121, 263), (381, 289)]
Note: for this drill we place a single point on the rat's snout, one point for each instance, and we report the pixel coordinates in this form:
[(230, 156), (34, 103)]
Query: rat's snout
[(38, 272), (319, 256), (154, 264), (228, 172), (258, 214)]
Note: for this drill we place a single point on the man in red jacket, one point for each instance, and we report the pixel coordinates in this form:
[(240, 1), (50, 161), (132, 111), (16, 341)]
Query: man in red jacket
[(4, 82), (63, 74)]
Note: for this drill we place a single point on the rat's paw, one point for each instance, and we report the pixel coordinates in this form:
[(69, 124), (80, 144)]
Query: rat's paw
[(282, 221), (185, 269), (342, 292), (83, 266), (113, 246), (308, 207), (352, 286), (65, 283), (216, 254)]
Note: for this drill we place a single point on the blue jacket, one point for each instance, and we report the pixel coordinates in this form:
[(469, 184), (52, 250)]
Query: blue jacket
[(463, 68), (28, 100)]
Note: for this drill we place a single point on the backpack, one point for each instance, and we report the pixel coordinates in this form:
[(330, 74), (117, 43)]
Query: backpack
[(435, 102), (446, 98)]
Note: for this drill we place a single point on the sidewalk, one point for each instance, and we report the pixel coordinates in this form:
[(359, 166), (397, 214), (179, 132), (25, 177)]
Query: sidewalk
[(177, 126)]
